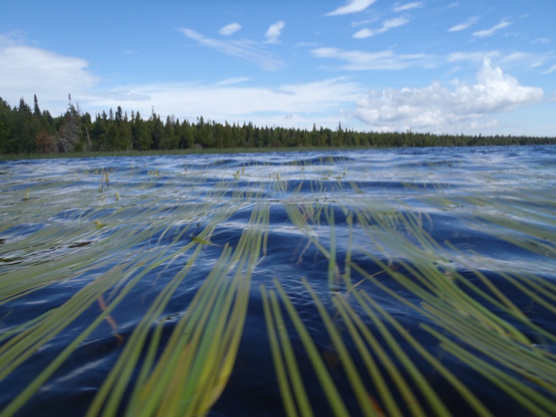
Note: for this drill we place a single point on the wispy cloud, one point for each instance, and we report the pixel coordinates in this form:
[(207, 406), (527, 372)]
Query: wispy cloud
[(403, 7), (386, 26), (542, 40), (471, 56), (274, 32), (233, 81), (441, 109), (245, 49), (364, 22), (353, 6), (489, 32), (230, 29), (27, 70), (550, 70), (305, 103), (364, 61), (465, 25), (514, 59)]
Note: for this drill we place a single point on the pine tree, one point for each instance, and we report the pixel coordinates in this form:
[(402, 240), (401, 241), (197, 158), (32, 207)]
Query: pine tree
[(6, 126), (187, 139), (98, 133), (141, 136), (169, 138), (36, 109), (156, 128)]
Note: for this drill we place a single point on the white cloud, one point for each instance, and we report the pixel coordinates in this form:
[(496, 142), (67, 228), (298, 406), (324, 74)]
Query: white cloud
[(310, 101), (229, 29), (232, 81), (517, 57), (353, 6), (403, 7), (249, 50), (489, 32), (471, 56), (386, 26), (465, 25), (27, 70), (437, 108), (362, 60), (364, 22), (514, 59), (274, 32), (550, 70), (542, 40)]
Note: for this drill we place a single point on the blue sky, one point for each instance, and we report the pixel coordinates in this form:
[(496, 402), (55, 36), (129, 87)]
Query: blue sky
[(442, 66)]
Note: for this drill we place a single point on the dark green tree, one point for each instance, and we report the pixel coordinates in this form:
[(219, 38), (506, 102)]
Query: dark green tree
[(6, 126), (170, 139), (142, 139), (36, 109), (156, 128), (186, 137)]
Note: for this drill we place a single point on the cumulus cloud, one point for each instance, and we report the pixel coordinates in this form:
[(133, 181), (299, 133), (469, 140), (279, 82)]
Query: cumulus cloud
[(438, 108), (403, 7), (229, 29), (245, 49), (362, 60), (353, 6), (274, 31), (489, 32), (386, 26), (465, 25), (27, 70)]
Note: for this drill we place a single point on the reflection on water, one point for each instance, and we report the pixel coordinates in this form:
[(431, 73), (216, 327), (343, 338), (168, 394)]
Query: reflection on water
[(438, 239)]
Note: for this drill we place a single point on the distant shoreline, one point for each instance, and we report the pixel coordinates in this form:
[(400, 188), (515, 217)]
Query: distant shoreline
[(27, 132)]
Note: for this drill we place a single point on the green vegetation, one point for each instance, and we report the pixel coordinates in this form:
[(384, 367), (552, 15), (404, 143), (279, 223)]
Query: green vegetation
[(150, 242), (26, 131)]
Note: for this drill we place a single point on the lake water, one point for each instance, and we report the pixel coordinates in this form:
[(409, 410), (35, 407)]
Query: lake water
[(446, 251)]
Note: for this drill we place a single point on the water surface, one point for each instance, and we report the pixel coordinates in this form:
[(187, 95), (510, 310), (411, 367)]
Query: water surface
[(392, 222)]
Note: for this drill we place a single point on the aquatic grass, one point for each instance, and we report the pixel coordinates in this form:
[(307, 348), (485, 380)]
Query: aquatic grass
[(332, 395), (207, 375), (530, 399), (165, 237), (285, 365), (345, 358)]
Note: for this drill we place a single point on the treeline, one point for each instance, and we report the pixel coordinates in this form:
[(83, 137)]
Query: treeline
[(26, 130)]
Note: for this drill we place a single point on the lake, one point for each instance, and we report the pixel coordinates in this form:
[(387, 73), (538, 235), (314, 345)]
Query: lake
[(370, 282)]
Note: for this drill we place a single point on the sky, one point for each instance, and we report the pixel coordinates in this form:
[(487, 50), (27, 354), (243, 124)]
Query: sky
[(442, 66)]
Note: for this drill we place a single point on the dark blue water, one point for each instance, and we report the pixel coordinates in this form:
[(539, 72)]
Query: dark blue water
[(483, 218)]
